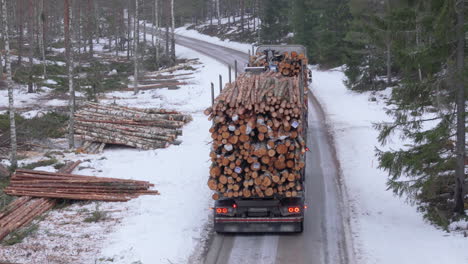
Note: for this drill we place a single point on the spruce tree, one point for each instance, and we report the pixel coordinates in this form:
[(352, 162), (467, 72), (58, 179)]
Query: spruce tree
[(275, 21), (423, 110)]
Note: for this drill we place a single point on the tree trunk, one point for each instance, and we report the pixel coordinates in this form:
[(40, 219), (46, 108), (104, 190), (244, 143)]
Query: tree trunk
[(31, 46), (167, 8), (389, 63), (41, 25), (128, 34), (144, 22), (13, 160), (156, 19), (173, 55), (242, 15), (460, 88), (218, 14), (135, 44), (90, 27), (21, 31), (69, 54)]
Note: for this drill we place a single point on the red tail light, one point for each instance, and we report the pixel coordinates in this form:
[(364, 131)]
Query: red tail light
[(234, 205), (222, 210), (295, 210)]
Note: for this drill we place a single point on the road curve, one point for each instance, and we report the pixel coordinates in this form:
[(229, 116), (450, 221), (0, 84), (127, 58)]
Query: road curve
[(324, 238)]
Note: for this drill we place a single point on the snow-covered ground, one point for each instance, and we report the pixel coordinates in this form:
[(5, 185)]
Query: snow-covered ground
[(191, 33), (386, 230)]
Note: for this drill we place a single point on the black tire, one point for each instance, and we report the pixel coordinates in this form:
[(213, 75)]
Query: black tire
[(301, 228)]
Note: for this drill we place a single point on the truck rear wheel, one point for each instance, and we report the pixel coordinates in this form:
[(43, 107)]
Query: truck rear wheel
[(301, 228)]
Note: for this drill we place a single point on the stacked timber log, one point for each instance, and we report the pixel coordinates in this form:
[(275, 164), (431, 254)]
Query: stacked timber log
[(159, 79), (289, 63), (258, 148), (25, 209), (90, 147), (134, 127), (76, 187)]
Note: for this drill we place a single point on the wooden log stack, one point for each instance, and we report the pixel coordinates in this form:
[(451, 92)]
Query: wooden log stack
[(134, 127), (258, 148), (25, 209), (75, 187), (289, 63)]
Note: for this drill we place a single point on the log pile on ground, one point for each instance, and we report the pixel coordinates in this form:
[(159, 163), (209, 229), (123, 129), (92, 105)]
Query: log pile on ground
[(25, 209), (289, 64), (160, 79), (75, 187), (258, 146), (134, 127)]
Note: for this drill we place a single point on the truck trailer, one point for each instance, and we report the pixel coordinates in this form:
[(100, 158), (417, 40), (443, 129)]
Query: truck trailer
[(260, 143)]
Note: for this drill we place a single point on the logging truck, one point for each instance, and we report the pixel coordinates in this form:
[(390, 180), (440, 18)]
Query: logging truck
[(259, 137)]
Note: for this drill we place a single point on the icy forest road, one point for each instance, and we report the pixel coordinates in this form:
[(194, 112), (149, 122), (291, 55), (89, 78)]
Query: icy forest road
[(326, 236)]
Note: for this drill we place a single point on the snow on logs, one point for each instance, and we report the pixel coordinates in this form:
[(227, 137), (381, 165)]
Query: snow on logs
[(134, 127), (258, 148)]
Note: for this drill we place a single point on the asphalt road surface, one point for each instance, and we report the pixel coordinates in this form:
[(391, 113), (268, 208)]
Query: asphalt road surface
[(324, 239)]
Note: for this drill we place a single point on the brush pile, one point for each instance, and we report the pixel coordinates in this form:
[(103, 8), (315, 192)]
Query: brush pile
[(258, 137), (134, 127), (75, 187)]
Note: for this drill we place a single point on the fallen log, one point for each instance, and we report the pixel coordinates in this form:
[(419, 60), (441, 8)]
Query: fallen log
[(25, 209)]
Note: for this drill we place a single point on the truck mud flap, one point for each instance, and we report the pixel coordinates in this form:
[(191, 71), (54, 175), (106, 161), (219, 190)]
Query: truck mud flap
[(258, 225)]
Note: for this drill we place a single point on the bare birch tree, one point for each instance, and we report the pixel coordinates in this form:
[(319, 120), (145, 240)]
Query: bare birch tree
[(173, 56), (136, 32), (71, 89), (41, 18), (11, 109), (31, 44), (156, 30), (461, 104)]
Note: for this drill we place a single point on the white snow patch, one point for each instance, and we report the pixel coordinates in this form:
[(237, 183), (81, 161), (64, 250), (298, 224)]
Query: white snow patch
[(50, 81), (191, 33)]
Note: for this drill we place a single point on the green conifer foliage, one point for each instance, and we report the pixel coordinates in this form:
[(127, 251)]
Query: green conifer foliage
[(423, 108)]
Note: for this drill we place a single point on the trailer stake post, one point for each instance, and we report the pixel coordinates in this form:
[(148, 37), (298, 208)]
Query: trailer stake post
[(229, 73), (212, 94), (220, 83), (235, 66)]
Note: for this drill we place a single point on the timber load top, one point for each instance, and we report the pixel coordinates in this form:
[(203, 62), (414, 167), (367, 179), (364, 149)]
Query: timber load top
[(133, 127), (288, 60), (258, 130)]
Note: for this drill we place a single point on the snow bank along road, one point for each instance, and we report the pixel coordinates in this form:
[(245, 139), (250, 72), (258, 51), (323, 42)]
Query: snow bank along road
[(325, 238)]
